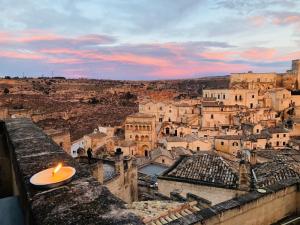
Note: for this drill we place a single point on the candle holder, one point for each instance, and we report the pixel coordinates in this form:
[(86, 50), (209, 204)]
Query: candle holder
[(53, 177)]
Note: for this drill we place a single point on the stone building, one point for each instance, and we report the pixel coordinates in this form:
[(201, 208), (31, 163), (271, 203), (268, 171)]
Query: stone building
[(280, 98), (141, 128), (185, 112), (206, 175), (233, 144), (265, 81), (215, 114), (243, 97), (217, 179), (119, 175), (250, 80), (192, 142), (279, 137), (94, 140), (61, 137)]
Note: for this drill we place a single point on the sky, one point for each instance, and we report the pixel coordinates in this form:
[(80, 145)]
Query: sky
[(147, 39)]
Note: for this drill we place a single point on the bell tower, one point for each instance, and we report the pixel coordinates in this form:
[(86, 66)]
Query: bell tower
[(296, 71)]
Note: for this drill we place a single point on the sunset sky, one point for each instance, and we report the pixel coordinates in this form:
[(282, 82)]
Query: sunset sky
[(147, 39)]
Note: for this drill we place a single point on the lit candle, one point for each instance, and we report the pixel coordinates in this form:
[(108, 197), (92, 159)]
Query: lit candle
[(53, 177), (56, 169)]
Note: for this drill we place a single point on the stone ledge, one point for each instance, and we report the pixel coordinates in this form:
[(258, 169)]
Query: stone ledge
[(82, 201)]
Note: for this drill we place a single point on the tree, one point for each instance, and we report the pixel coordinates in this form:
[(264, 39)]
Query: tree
[(6, 91)]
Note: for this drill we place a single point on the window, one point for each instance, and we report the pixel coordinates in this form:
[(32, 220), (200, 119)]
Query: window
[(257, 130), (149, 108), (283, 143), (278, 135), (223, 96), (170, 111), (130, 136), (212, 116), (251, 105), (222, 142), (284, 135), (160, 119), (235, 144), (236, 98), (253, 96), (240, 98), (198, 149), (160, 108), (218, 96), (163, 161), (169, 119), (277, 143), (206, 95)]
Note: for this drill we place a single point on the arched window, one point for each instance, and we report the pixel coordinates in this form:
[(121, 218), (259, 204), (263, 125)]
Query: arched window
[(235, 144), (146, 138), (136, 137), (142, 138), (167, 130)]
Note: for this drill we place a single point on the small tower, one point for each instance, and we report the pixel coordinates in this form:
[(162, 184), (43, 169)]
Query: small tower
[(253, 158), (244, 183), (119, 164), (296, 71)]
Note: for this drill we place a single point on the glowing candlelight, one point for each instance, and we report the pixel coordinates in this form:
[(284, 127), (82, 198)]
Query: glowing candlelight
[(53, 177), (57, 168)]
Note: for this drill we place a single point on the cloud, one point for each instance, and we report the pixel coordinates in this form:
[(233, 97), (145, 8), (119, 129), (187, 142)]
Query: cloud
[(102, 56), (247, 7)]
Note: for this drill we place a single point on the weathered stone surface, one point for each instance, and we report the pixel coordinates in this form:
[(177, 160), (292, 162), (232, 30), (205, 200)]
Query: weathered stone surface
[(82, 201)]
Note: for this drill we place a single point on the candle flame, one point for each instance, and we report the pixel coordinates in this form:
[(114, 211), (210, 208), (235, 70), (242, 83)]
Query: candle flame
[(56, 169)]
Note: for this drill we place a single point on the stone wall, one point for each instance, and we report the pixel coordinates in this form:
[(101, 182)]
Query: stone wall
[(254, 208), (213, 194), (82, 201)]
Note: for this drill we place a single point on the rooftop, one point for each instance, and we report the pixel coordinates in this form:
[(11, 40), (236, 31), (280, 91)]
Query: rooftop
[(205, 168), (141, 115)]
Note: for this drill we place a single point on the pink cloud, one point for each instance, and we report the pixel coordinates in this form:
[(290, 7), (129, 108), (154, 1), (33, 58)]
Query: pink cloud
[(21, 55), (218, 55), (249, 54), (286, 20), (116, 57), (259, 54), (258, 20), (65, 60), (201, 68)]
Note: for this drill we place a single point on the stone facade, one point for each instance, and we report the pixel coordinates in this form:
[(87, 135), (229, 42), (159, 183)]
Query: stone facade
[(248, 97), (62, 138), (141, 128)]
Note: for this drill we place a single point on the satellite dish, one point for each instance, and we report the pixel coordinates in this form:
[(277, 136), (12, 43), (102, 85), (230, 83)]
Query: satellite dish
[(261, 190)]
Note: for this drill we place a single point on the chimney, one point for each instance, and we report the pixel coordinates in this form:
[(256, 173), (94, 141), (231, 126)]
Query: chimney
[(244, 183), (98, 173), (119, 164), (253, 158)]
